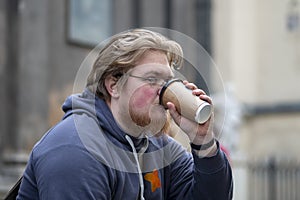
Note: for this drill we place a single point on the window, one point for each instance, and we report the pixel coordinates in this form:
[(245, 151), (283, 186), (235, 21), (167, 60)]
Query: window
[(89, 22)]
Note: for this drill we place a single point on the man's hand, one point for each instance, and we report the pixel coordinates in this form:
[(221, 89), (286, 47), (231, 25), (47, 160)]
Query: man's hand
[(198, 133)]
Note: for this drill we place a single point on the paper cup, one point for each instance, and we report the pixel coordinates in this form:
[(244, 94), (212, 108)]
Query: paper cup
[(187, 104)]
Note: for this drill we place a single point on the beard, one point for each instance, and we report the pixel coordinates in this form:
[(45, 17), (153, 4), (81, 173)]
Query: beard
[(155, 120)]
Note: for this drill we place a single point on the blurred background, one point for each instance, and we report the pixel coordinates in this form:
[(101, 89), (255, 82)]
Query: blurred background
[(255, 47)]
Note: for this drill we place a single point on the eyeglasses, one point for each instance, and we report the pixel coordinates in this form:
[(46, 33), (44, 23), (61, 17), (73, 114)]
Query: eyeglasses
[(151, 80)]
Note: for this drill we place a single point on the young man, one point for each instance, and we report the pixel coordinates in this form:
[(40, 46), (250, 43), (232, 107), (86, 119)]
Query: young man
[(111, 143)]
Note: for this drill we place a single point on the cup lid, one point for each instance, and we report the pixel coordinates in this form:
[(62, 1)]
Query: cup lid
[(163, 89)]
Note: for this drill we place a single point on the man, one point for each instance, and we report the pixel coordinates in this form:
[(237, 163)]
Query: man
[(111, 143)]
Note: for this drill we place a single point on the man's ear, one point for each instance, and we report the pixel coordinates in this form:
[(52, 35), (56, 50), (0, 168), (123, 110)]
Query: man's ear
[(111, 86)]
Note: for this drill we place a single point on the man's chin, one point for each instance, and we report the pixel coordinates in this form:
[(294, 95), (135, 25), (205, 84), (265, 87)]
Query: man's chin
[(153, 123)]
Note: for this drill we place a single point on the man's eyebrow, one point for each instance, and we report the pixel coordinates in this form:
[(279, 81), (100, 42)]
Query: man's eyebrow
[(156, 73), (152, 73)]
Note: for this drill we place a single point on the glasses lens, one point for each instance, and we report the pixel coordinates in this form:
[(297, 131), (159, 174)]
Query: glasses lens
[(161, 82)]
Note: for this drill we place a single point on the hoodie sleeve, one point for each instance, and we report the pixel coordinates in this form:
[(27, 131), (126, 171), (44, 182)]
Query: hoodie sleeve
[(65, 173), (201, 178)]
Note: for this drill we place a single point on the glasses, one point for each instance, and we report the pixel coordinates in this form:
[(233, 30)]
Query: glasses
[(151, 80)]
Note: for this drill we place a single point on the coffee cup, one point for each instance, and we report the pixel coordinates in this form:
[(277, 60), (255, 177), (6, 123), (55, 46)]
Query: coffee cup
[(186, 103)]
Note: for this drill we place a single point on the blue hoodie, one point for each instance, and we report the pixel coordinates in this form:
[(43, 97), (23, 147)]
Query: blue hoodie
[(87, 156)]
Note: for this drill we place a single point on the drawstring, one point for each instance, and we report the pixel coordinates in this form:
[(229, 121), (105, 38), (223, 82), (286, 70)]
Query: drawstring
[(138, 165)]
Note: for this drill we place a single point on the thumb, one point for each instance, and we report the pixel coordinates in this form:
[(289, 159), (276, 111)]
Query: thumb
[(173, 112)]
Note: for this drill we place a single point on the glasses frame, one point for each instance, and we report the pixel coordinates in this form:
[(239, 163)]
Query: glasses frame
[(151, 80)]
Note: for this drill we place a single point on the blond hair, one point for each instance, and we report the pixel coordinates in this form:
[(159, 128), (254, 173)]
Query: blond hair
[(122, 52)]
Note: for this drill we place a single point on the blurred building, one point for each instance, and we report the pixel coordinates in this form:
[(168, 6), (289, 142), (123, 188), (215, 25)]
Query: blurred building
[(255, 46)]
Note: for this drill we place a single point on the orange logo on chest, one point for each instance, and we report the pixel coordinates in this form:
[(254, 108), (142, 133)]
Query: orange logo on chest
[(153, 178)]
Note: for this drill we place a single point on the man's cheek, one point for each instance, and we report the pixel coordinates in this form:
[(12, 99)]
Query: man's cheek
[(142, 97)]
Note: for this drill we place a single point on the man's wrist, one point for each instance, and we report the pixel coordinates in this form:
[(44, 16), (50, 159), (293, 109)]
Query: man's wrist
[(203, 146), (210, 151)]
